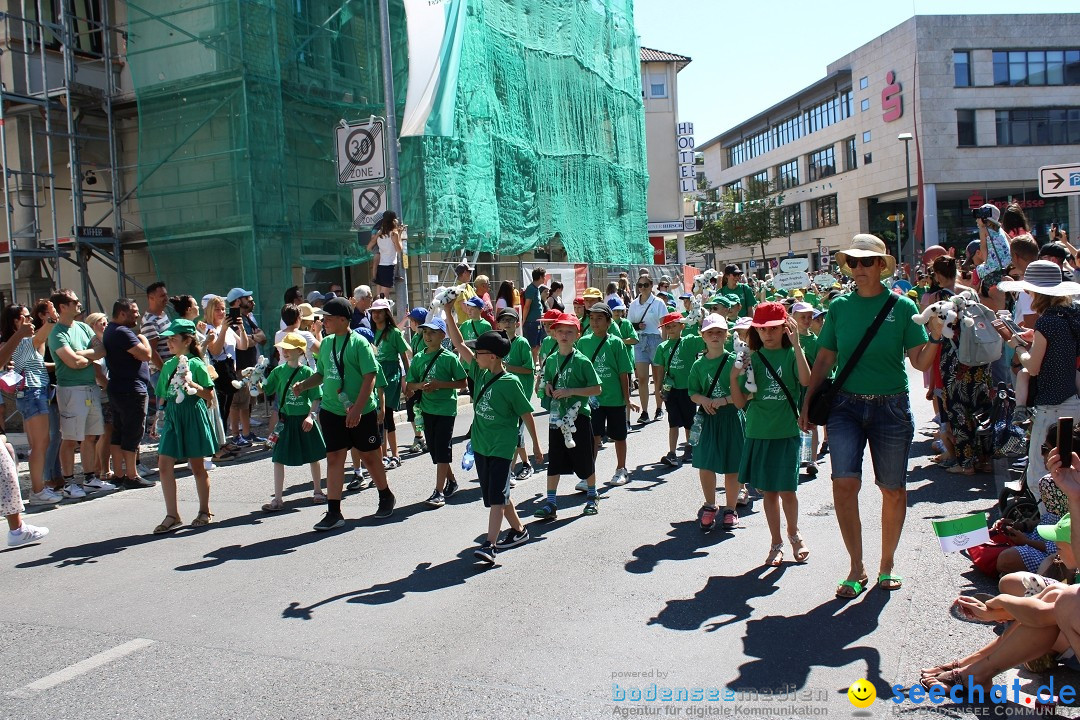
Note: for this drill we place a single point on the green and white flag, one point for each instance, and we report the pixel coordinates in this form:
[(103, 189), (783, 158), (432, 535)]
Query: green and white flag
[(435, 28), (962, 533)]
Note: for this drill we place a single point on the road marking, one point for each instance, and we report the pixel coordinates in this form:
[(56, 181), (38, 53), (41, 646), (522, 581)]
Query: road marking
[(81, 668)]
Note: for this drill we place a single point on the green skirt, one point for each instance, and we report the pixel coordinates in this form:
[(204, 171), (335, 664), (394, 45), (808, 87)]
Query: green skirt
[(186, 431), (392, 391), (294, 446), (720, 446), (770, 465)]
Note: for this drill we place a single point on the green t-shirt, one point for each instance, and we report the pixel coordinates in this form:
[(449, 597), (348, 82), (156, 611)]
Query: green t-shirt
[(389, 344), (611, 361), (199, 375), (704, 370), (573, 371), (745, 295), (536, 308), (769, 415), (691, 331), (494, 408), (472, 329), (521, 356), (352, 356), (809, 344), (881, 369), (677, 357), (444, 367), (76, 336), (277, 383), (812, 298), (416, 342)]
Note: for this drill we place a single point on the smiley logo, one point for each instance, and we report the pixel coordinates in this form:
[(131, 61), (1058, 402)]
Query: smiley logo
[(862, 694)]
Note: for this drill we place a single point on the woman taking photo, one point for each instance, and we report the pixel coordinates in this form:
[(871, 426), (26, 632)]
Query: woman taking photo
[(392, 351), (386, 237), (24, 346), (871, 407)]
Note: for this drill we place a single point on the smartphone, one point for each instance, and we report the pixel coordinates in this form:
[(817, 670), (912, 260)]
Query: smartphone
[(1007, 329), (1064, 440), (235, 314)]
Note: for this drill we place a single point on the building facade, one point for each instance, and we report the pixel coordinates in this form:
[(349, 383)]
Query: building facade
[(986, 99)]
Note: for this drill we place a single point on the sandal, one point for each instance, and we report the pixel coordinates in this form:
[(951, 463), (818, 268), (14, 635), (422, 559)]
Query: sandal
[(960, 470), (202, 519), (167, 526), (798, 548), (939, 669), (947, 680), (318, 498), (272, 506), (890, 582), (776, 555), (848, 589)]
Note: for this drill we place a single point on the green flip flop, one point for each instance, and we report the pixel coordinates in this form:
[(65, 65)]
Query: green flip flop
[(895, 582), (857, 587)]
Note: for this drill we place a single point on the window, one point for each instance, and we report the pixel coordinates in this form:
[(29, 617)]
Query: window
[(822, 115), (823, 212), (87, 25), (851, 158), (864, 105), (790, 220), (760, 179), (657, 86), (866, 137), (1037, 67), (1039, 126), (734, 188), (787, 175), (867, 158), (965, 128), (864, 82), (962, 68), (821, 164)]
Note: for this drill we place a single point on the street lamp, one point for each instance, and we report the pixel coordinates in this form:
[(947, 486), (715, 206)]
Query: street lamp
[(906, 138)]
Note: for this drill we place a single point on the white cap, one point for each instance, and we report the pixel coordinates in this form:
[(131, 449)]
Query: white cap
[(714, 322), (802, 307)]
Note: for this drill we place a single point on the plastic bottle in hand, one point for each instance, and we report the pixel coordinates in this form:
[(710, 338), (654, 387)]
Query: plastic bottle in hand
[(806, 449), (272, 438), (695, 429), (469, 458)]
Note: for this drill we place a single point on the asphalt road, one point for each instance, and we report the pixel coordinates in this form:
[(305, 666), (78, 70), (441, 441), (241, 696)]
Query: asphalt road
[(257, 616)]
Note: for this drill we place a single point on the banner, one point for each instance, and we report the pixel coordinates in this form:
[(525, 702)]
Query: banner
[(435, 28), (962, 533)]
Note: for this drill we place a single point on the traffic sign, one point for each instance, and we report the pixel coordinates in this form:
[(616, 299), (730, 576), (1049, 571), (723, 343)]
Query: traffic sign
[(361, 152), (369, 203), (1057, 180), (794, 264), (753, 264)]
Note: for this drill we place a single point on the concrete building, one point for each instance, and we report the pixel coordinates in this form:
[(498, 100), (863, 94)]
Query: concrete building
[(988, 99)]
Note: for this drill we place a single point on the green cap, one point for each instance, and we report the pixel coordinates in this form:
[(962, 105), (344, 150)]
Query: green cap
[(733, 299), (1060, 533), (179, 327)]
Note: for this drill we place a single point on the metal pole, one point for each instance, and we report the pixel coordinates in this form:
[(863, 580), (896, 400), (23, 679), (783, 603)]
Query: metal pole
[(8, 209), (392, 136), (907, 213)]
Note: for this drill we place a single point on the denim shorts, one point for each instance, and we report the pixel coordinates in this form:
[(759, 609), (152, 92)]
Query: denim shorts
[(33, 401), (885, 423), (645, 350)]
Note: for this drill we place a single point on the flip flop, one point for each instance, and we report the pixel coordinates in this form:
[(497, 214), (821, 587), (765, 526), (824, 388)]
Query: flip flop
[(895, 582), (857, 587)]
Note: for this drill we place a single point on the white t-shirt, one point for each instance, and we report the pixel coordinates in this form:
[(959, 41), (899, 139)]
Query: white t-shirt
[(1022, 308), (387, 250), (650, 312), (229, 349), (302, 333)]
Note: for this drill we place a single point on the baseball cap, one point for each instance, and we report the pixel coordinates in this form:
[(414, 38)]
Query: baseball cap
[(494, 342), (769, 314), (1055, 250), (463, 267), (802, 307), (315, 296), (592, 293), (601, 309), (366, 333), (178, 327), (742, 323), (237, 293), (995, 211), (418, 314), (338, 307), (616, 304), (550, 315), (714, 322), (567, 320), (819, 313), (732, 270), (579, 301), (1059, 533), (508, 312), (476, 302), (672, 317), (435, 323), (207, 298), (292, 341), (686, 296)]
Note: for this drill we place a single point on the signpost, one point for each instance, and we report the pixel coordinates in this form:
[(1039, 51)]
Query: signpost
[(825, 280), (795, 265), (361, 152), (1055, 180), (368, 204)]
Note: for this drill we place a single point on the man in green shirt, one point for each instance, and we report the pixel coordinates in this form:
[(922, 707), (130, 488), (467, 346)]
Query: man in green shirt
[(532, 307), (674, 358), (610, 412), (349, 418)]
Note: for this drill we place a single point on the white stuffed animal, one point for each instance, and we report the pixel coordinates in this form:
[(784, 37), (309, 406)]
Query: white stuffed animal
[(944, 310), (742, 362), (181, 385), (255, 377), (446, 296), (566, 423), (703, 280), (962, 302)]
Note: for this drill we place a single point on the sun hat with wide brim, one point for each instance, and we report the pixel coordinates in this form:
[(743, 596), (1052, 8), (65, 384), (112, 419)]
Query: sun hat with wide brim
[(864, 245), (1043, 277)]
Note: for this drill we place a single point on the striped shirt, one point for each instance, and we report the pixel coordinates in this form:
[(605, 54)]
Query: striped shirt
[(29, 363), (152, 327)]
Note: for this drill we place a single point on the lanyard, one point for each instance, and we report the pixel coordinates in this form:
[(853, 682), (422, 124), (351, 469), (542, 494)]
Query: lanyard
[(671, 357), (339, 360), (555, 382)]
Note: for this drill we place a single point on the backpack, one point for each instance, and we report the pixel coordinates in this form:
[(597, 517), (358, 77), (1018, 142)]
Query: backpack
[(980, 343)]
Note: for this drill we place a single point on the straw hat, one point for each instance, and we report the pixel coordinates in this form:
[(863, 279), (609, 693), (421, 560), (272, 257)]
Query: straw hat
[(864, 245), (1043, 277)]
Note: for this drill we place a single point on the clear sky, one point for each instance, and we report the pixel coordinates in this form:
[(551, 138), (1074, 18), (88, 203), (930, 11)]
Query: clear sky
[(748, 56)]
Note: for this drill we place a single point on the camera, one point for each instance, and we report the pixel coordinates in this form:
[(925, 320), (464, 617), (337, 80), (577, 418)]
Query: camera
[(982, 213)]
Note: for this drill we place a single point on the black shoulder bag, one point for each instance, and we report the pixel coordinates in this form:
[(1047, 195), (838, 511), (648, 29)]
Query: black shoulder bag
[(821, 401)]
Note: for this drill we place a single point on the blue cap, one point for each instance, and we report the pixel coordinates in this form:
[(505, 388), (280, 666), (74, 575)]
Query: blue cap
[(476, 302), (237, 293), (365, 333), (616, 304), (435, 323), (686, 296), (418, 314), (818, 313)]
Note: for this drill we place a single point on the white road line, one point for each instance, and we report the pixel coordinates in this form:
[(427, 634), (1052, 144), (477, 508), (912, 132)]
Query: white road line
[(81, 668)]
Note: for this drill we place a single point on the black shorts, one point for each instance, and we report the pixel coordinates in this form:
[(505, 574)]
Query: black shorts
[(577, 460), (439, 434), (680, 409), (610, 421), (389, 426), (365, 437), (128, 420), (410, 406), (384, 276), (494, 474), (534, 333)]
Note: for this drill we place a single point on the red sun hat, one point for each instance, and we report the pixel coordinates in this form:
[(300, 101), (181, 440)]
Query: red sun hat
[(769, 314), (567, 320), (672, 317)]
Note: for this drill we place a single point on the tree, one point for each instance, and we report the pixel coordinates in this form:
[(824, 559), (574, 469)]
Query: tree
[(713, 236), (752, 215)]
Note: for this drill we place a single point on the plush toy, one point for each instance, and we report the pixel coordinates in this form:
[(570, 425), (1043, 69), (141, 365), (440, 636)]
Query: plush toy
[(703, 280), (944, 310), (696, 315), (446, 296), (742, 362), (181, 385), (255, 377), (566, 423), (962, 302)]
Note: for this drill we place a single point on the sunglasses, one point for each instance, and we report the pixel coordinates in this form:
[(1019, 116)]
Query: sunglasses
[(866, 262), (644, 284)]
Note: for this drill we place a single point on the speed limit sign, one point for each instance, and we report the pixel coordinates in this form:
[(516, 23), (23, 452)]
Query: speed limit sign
[(360, 152)]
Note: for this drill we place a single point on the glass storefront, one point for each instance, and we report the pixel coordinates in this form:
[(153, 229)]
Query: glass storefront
[(956, 227)]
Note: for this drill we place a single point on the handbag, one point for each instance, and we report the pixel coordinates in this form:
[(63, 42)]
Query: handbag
[(820, 405)]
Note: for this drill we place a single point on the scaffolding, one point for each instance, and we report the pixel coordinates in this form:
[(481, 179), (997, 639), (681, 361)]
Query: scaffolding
[(58, 93)]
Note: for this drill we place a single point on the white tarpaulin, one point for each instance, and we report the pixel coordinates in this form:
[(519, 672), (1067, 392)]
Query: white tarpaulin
[(435, 30)]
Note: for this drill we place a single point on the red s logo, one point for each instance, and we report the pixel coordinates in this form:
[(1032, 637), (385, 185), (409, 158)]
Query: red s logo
[(892, 103)]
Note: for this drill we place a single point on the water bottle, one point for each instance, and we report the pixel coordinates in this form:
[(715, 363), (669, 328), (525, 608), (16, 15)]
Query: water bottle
[(806, 449), (272, 438), (469, 458), (695, 430), (594, 402), (666, 388)]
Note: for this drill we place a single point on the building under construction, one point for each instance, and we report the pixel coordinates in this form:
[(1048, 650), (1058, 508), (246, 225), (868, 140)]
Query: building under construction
[(193, 141)]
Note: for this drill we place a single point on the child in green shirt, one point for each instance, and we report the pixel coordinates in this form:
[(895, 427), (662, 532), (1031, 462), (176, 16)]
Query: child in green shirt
[(547, 346), (519, 363), (475, 326), (803, 313), (672, 362), (393, 353), (417, 316)]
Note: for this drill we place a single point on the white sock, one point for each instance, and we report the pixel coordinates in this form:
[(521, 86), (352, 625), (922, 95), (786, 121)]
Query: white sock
[(17, 531)]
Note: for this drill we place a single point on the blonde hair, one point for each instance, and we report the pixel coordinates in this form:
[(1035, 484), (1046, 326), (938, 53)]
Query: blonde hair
[(211, 306), (94, 318), (482, 280), (1041, 303)]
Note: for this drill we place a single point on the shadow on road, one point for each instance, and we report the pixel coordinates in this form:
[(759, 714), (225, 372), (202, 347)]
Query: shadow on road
[(722, 596), (686, 541)]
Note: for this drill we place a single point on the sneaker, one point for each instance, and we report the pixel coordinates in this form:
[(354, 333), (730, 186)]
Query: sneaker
[(436, 500), (512, 538), (671, 460), (582, 486), (744, 496), (359, 482), (621, 477), (387, 502), (486, 553), (330, 522), (395, 462), (96, 484), (592, 507), (510, 479), (688, 455), (547, 511), (386, 463), (415, 448), (73, 492), (524, 473), (811, 470), (450, 488), (134, 483), (707, 517), (659, 415), (48, 496), (255, 439), (26, 534), (144, 471), (644, 418), (731, 519), (241, 442)]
